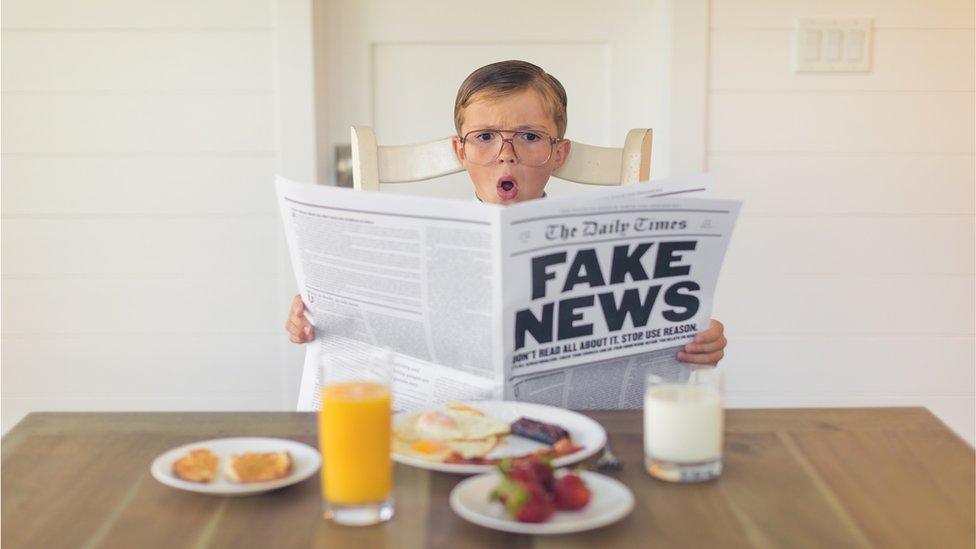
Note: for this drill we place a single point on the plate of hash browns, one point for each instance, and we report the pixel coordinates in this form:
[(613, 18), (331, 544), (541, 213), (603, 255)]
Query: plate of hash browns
[(236, 466), (473, 437)]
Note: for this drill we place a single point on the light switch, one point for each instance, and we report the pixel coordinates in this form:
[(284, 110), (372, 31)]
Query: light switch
[(832, 45), (811, 45), (854, 50)]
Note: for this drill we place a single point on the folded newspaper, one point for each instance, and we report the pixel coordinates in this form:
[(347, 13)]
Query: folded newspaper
[(566, 301)]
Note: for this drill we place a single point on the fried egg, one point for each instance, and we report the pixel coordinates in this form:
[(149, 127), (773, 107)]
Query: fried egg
[(457, 423), (438, 426), (439, 450)]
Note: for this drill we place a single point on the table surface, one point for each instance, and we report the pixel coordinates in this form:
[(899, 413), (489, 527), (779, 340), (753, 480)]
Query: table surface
[(855, 477)]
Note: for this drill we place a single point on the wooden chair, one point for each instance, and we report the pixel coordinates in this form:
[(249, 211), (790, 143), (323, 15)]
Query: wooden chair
[(587, 164)]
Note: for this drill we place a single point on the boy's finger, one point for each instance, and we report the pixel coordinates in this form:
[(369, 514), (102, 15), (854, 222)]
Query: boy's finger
[(294, 328), (698, 358), (713, 332), (298, 313), (297, 318), (296, 305), (708, 347)]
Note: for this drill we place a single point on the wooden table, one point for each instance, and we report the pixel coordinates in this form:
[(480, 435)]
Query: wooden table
[(881, 477)]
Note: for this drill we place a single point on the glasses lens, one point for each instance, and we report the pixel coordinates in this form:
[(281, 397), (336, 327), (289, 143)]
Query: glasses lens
[(483, 147), (532, 148)]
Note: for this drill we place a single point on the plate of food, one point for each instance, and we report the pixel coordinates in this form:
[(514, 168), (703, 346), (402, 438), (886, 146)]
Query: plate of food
[(527, 496), (236, 466), (473, 437)]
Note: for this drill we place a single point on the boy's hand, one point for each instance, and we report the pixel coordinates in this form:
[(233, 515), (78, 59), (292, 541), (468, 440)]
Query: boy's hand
[(300, 330), (708, 347)]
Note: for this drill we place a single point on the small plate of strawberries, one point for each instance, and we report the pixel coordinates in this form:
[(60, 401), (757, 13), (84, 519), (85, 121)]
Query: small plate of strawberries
[(527, 496)]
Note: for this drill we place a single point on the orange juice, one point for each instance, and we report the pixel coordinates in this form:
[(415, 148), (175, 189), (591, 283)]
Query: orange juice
[(354, 438)]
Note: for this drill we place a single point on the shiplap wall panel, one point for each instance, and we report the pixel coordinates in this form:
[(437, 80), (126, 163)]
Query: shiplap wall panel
[(157, 60), (855, 364), (911, 14), (774, 364), (127, 123), (849, 245), (850, 280), (128, 304), (226, 245), (923, 122), (148, 364), (883, 184), (751, 59), (199, 400), (138, 184), (141, 244), (902, 305), (136, 14)]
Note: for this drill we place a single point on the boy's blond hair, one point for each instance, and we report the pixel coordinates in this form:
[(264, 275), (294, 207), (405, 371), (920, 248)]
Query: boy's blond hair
[(508, 77)]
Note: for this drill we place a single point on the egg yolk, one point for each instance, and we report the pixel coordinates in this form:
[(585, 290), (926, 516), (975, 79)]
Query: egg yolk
[(428, 447)]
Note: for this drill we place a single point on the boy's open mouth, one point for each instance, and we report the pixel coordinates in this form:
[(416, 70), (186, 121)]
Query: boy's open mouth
[(507, 187)]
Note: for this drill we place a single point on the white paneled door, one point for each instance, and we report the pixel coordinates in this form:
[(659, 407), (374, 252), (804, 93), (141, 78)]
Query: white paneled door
[(397, 66)]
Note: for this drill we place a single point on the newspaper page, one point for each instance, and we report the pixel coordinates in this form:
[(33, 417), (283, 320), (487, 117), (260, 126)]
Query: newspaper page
[(413, 275), (478, 301), (596, 294)]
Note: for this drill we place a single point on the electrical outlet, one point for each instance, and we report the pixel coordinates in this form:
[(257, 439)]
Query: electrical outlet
[(832, 44)]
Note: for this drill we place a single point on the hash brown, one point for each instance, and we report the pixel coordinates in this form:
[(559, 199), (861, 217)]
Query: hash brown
[(258, 466), (199, 465)]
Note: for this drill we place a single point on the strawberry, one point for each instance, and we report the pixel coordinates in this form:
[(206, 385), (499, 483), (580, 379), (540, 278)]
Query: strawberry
[(536, 510), (570, 493), (530, 469), (525, 501)]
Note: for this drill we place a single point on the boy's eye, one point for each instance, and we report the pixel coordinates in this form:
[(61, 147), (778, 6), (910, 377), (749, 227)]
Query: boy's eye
[(485, 137), (530, 137)]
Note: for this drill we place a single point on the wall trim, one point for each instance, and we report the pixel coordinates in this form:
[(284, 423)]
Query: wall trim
[(294, 90), (688, 31)]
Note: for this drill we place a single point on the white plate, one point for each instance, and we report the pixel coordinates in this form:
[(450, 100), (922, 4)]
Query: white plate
[(305, 462), (610, 501), (586, 433)]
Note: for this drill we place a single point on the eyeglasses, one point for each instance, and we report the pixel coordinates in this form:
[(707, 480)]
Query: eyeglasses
[(531, 148)]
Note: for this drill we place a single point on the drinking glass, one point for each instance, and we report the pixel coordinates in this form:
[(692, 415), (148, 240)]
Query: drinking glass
[(354, 437), (683, 424)]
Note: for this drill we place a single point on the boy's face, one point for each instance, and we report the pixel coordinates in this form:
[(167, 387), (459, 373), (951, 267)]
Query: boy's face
[(507, 180)]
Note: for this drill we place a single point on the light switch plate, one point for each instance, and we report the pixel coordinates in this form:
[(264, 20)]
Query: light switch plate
[(832, 44)]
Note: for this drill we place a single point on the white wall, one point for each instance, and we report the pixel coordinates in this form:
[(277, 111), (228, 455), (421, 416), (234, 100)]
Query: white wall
[(850, 278), (140, 241), (141, 252)]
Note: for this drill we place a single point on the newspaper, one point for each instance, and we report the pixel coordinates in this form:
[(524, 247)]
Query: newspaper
[(566, 301)]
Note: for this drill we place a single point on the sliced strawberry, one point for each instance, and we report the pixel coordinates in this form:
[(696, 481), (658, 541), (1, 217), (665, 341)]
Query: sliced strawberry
[(524, 501), (536, 510), (531, 469)]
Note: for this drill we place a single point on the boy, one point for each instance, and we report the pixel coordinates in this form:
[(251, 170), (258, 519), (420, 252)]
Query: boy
[(510, 119)]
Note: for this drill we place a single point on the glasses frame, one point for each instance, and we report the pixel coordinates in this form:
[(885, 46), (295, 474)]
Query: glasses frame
[(510, 141)]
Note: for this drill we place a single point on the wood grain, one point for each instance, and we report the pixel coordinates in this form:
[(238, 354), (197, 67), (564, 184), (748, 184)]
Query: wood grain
[(793, 478)]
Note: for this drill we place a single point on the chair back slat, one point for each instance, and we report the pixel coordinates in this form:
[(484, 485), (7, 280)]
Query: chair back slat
[(408, 163), (636, 158), (587, 164), (365, 165), (591, 165)]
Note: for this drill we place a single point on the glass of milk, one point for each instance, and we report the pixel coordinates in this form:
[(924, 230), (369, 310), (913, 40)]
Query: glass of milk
[(683, 423)]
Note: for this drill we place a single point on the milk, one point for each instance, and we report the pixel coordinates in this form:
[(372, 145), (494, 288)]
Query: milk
[(683, 423)]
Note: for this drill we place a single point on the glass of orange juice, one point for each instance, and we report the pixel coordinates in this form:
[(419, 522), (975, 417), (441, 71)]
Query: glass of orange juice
[(354, 438)]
